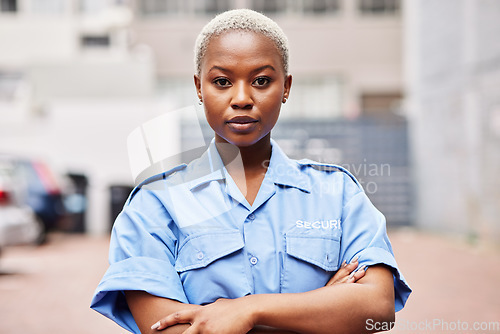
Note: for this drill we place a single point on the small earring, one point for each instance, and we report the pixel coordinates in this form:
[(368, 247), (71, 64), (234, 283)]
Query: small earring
[(200, 102), (284, 100)]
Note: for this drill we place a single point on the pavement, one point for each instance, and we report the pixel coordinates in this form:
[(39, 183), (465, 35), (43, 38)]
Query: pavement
[(47, 289)]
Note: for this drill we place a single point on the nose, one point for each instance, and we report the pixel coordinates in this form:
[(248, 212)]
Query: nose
[(242, 97)]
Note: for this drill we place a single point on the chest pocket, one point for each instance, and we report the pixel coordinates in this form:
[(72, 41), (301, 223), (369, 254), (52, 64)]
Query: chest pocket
[(210, 266), (310, 261)]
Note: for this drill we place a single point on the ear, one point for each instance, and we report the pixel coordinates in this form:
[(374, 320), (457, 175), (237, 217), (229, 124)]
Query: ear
[(197, 84), (288, 86)]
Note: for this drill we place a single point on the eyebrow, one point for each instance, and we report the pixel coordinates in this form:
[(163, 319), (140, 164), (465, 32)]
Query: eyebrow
[(258, 69)]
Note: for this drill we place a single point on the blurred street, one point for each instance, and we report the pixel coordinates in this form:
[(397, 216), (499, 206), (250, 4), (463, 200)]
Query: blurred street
[(48, 289)]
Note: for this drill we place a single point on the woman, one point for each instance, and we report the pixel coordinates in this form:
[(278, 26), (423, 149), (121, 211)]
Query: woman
[(245, 239)]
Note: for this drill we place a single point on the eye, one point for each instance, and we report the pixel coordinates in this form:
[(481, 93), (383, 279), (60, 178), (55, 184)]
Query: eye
[(222, 82), (261, 81)]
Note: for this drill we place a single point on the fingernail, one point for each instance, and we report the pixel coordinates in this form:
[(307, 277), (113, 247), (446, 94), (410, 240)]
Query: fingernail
[(355, 259), (344, 263), (156, 326), (351, 275), (363, 267)]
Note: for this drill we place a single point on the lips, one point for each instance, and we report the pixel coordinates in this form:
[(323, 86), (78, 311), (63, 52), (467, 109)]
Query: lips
[(242, 123), (242, 120)]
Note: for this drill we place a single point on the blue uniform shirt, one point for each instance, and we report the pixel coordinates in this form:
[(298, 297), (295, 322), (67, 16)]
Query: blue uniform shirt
[(190, 235)]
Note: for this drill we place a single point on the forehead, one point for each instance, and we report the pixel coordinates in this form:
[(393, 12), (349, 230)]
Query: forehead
[(241, 48)]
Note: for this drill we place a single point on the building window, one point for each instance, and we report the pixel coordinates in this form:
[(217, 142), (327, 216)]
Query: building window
[(321, 6), (10, 82), (269, 6), (376, 7), (8, 6), (46, 6), (377, 104), (159, 7), (314, 97), (212, 7), (176, 7), (92, 6), (94, 41)]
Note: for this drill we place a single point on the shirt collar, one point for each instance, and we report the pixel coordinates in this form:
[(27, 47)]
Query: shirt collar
[(282, 170), (285, 171), (209, 167)]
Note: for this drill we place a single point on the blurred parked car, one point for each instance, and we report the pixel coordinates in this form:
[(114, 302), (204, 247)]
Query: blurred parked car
[(18, 222), (35, 186)]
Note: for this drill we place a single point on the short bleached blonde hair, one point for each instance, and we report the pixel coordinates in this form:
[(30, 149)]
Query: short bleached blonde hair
[(244, 20)]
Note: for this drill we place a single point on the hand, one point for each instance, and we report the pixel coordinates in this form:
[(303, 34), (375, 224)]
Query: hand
[(346, 273), (224, 316)]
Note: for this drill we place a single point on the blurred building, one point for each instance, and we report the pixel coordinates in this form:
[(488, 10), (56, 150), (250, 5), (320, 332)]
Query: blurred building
[(72, 88), (78, 76), (346, 55), (453, 89)]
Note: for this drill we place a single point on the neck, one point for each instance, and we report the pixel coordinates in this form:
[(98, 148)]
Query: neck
[(246, 165), (253, 158)]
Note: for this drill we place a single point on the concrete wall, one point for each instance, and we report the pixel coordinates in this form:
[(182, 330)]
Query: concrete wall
[(453, 87)]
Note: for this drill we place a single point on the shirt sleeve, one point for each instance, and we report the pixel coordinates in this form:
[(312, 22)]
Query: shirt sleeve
[(141, 257), (364, 235)]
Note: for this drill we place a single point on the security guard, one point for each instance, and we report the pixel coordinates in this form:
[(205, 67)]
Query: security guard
[(248, 233), (190, 235)]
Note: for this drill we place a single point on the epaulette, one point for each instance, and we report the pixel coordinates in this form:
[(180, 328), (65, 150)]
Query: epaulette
[(154, 178), (328, 168)]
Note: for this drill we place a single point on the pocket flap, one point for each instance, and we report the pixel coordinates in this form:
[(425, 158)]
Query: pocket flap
[(320, 251), (198, 251)]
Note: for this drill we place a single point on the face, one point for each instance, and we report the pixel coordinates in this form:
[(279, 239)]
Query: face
[(242, 84)]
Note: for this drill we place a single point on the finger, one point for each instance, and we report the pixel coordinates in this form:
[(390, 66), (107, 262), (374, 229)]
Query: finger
[(344, 271), (343, 280), (350, 267), (350, 279), (359, 273), (342, 274), (338, 275), (180, 317), (192, 330), (355, 275)]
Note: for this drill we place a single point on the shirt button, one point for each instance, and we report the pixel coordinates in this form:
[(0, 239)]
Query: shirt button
[(253, 260), (251, 216), (200, 255)]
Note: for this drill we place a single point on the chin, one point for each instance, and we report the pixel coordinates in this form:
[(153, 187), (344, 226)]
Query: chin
[(243, 139)]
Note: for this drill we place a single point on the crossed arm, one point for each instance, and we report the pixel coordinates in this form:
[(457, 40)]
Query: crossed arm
[(342, 306)]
